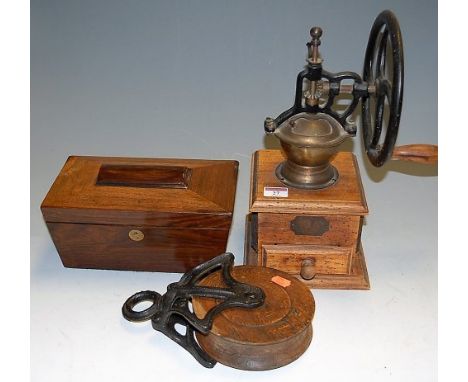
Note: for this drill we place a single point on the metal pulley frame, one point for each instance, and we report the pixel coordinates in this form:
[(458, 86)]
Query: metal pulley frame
[(172, 308)]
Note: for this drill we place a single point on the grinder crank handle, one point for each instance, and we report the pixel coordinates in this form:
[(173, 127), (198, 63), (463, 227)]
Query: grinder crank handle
[(419, 153)]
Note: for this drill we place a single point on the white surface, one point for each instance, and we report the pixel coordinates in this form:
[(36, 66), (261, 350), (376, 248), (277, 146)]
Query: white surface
[(108, 78)]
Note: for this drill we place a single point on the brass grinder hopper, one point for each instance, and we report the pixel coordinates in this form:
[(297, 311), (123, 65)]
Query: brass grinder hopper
[(309, 142)]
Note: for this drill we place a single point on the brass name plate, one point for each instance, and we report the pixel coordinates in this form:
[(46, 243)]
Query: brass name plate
[(309, 225)]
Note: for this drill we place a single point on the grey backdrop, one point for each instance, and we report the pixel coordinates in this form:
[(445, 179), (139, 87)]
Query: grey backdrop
[(196, 80)]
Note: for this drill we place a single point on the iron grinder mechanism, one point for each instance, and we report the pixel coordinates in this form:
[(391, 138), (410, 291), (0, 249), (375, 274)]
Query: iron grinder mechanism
[(311, 131)]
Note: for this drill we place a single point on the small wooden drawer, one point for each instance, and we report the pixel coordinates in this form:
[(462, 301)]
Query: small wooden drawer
[(324, 230), (307, 260)]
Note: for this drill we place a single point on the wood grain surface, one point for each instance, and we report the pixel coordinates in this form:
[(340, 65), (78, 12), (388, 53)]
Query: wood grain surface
[(426, 154), (143, 176), (264, 338), (311, 234), (183, 207), (110, 246), (358, 277), (211, 189), (345, 197), (276, 229), (289, 258)]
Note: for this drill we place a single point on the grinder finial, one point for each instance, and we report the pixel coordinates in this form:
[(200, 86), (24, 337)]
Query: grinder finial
[(314, 56)]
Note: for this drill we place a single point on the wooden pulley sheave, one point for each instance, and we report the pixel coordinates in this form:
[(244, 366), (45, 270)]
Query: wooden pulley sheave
[(312, 130), (245, 317)]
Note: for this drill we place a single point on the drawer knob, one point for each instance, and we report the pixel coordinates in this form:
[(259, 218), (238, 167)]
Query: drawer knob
[(308, 269), (136, 235)]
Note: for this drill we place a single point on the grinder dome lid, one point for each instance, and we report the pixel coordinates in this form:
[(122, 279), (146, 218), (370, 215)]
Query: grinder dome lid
[(311, 130)]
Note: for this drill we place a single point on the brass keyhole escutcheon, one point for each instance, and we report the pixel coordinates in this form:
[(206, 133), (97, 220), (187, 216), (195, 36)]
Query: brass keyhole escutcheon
[(136, 235)]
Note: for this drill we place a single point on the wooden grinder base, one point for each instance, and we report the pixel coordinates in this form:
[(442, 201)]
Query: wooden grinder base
[(264, 338), (314, 235)]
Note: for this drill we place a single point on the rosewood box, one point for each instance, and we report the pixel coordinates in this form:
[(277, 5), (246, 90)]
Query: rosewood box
[(141, 214)]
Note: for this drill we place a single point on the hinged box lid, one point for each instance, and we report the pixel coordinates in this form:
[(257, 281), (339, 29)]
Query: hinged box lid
[(142, 191)]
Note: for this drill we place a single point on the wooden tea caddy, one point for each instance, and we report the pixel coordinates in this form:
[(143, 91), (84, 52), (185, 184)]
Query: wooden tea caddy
[(307, 203), (141, 214)]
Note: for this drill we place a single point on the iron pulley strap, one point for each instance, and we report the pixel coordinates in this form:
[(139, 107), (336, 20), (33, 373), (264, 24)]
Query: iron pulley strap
[(173, 307)]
